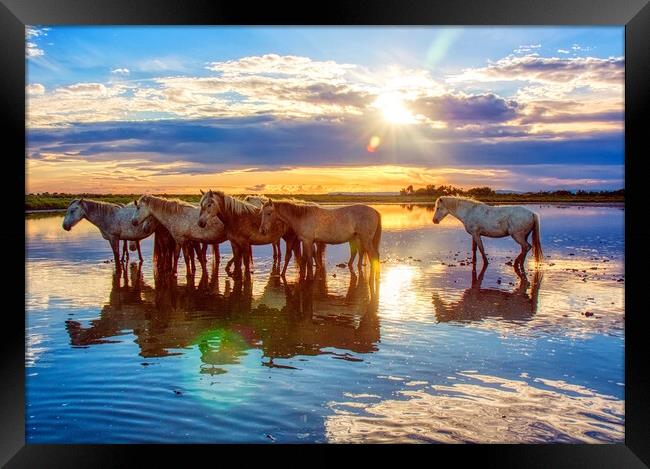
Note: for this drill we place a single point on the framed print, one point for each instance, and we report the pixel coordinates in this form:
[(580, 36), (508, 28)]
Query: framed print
[(380, 225)]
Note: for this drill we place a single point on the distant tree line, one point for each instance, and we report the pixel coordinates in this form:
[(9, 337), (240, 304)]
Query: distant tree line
[(433, 191)]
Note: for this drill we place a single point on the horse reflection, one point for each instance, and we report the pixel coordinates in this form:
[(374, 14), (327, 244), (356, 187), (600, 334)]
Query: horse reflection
[(285, 321), (478, 303), (317, 320)]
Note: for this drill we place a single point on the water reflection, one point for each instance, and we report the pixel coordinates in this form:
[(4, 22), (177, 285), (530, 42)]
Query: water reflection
[(241, 360), (478, 303), (301, 319), (483, 409)]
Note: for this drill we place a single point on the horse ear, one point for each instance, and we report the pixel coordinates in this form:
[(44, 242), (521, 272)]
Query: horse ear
[(135, 202), (202, 193)]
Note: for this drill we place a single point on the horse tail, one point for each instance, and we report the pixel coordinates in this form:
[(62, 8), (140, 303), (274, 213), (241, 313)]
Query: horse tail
[(377, 237), (537, 245)]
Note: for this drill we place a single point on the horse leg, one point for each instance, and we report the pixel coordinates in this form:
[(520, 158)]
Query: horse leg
[(288, 248), (115, 246), (316, 257), (217, 255), (177, 254), (202, 253), (137, 245), (247, 255), (187, 256), (353, 253), (360, 261), (474, 252), (308, 254), (525, 247), (479, 242), (231, 261), (373, 257), (191, 249), (236, 260), (321, 254)]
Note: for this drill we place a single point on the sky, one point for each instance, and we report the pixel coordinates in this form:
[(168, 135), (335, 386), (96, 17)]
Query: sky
[(323, 109)]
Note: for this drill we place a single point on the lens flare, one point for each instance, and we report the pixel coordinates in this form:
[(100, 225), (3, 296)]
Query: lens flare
[(374, 143)]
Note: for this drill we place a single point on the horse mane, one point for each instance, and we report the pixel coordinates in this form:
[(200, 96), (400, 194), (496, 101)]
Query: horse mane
[(296, 208), (235, 205), (169, 206), (96, 207), (452, 201), (256, 199)]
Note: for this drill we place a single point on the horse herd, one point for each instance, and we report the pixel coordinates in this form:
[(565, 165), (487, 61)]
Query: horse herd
[(307, 228)]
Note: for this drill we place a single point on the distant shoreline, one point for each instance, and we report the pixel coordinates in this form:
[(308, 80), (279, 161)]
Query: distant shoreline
[(59, 204)]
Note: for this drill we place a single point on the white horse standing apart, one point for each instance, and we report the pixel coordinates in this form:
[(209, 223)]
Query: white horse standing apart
[(113, 221), (494, 222)]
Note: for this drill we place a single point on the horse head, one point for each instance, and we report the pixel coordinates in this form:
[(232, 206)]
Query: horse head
[(268, 215), (440, 211), (210, 207), (74, 214), (141, 211)]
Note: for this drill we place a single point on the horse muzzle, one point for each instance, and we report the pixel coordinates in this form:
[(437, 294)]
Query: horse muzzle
[(435, 221), (66, 227), (134, 222), (201, 223), (263, 231)]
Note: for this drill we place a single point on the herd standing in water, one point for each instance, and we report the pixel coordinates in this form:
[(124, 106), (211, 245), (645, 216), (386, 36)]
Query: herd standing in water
[(305, 227)]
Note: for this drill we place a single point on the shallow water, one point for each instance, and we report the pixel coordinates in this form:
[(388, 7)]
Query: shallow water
[(428, 359)]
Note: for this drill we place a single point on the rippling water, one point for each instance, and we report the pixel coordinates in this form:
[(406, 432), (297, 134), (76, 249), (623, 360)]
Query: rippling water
[(436, 356)]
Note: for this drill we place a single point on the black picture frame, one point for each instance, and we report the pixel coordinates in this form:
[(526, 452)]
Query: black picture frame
[(634, 14)]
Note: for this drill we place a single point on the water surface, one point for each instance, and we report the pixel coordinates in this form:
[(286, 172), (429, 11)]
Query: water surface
[(435, 356)]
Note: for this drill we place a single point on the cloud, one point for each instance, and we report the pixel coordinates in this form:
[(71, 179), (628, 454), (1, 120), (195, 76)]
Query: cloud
[(579, 48), (468, 108), (590, 71), (278, 65), (256, 188), (35, 89), (84, 89), (300, 91), (120, 71), (33, 31), (33, 50), (265, 142), (526, 49), (563, 51), (32, 34)]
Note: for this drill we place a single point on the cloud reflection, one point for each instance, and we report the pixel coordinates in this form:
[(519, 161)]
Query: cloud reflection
[(483, 409)]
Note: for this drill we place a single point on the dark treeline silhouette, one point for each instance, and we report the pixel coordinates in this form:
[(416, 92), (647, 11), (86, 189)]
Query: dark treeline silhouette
[(487, 192), (431, 189)]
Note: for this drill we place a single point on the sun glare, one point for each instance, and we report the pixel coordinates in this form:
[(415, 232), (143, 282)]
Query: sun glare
[(392, 107)]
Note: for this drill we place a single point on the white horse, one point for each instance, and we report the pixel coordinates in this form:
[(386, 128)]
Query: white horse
[(494, 222), (113, 221), (180, 219)]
